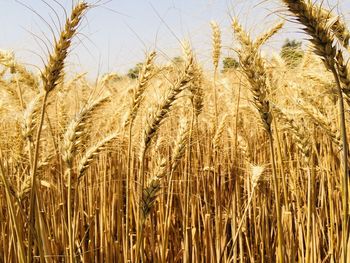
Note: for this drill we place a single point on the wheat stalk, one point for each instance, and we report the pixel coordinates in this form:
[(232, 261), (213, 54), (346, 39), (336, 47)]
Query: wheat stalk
[(216, 43), (322, 37), (71, 141), (153, 124), (51, 76), (255, 71)]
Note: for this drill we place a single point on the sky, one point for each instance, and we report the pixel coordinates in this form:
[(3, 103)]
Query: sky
[(116, 34)]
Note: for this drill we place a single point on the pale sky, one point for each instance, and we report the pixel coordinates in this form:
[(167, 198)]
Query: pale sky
[(115, 35)]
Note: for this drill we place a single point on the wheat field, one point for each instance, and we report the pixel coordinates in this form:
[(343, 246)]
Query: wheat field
[(181, 164)]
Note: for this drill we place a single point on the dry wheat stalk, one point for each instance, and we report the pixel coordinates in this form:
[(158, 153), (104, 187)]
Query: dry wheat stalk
[(216, 43), (255, 71), (12, 212), (153, 123), (51, 76)]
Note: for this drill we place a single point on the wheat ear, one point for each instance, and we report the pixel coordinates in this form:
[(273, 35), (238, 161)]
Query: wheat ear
[(144, 77), (316, 117), (219, 132), (338, 26), (92, 152), (53, 71), (267, 35), (254, 69), (150, 192), (315, 26), (216, 39), (30, 116), (8, 60), (163, 109), (302, 138)]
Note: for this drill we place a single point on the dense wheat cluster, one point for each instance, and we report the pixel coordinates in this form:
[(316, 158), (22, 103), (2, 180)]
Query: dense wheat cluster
[(181, 164)]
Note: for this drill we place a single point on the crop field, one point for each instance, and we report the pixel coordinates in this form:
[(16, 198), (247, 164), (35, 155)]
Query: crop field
[(245, 162)]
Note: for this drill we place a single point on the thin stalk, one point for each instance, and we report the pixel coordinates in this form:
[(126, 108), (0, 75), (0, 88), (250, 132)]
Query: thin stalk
[(345, 191), (140, 219), (31, 223), (188, 181), (127, 191), (310, 211), (70, 216), (168, 206), (10, 203), (237, 185), (280, 248), (217, 204), (20, 93), (279, 153), (215, 98), (242, 219)]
